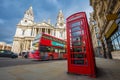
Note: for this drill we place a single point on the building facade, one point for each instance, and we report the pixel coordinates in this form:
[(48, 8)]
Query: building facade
[(27, 29), (4, 46), (107, 16), (94, 29)]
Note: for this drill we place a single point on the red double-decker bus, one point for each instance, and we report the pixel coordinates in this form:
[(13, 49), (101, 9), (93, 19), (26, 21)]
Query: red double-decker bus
[(47, 47)]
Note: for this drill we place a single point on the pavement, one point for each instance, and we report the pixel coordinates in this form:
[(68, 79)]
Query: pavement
[(57, 70)]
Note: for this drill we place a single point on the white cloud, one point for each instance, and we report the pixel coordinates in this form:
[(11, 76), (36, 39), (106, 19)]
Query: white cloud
[(2, 21), (88, 11), (74, 9)]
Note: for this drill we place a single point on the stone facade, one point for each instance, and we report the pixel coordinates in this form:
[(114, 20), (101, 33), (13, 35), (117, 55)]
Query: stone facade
[(94, 29), (4, 46), (27, 29), (106, 13)]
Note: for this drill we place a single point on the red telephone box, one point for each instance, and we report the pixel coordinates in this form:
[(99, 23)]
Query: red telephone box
[(79, 46)]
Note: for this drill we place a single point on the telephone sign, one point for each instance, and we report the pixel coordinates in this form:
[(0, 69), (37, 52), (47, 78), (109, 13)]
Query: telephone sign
[(79, 46)]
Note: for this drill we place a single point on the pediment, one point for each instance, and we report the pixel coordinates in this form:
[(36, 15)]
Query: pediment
[(44, 24)]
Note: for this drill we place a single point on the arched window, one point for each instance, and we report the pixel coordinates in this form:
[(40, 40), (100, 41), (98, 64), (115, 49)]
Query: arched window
[(61, 34)]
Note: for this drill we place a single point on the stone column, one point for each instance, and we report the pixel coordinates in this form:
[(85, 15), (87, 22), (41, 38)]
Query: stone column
[(109, 44), (35, 32), (32, 31), (51, 32), (30, 45), (25, 45), (107, 50), (18, 47)]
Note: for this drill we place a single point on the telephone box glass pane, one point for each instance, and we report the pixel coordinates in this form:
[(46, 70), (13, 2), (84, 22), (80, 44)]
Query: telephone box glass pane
[(79, 62), (76, 33), (77, 43), (77, 38), (80, 55), (75, 24), (77, 49), (76, 28)]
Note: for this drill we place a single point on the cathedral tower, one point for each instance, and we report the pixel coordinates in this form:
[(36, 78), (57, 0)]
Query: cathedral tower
[(28, 18), (60, 20), (60, 26), (24, 33)]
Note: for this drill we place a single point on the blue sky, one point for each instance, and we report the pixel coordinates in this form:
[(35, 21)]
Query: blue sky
[(12, 11)]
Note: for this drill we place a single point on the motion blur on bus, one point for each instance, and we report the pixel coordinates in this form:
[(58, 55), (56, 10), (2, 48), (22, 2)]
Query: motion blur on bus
[(47, 47)]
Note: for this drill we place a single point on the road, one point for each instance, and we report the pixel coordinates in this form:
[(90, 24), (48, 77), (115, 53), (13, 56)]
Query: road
[(7, 62), (26, 69)]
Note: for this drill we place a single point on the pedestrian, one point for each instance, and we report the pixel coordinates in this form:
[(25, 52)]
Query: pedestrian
[(20, 54)]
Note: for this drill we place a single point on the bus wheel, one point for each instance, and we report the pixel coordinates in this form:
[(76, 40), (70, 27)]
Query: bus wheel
[(51, 58)]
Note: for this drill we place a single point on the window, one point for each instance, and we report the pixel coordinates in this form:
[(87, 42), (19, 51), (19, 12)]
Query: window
[(119, 26), (97, 35), (93, 22), (54, 34), (96, 29), (43, 30), (119, 40), (25, 20), (48, 31), (61, 24), (31, 32), (61, 34), (115, 41), (116, 44), (99, 43), (23, 32), (60, 18), (119, 29)]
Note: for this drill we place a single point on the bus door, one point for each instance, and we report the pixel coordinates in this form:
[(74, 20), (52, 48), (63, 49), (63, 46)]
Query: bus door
[(62, 53), (44, 52)]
